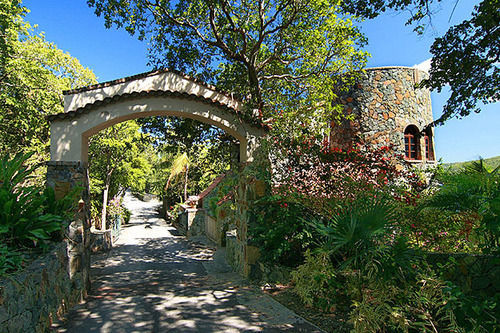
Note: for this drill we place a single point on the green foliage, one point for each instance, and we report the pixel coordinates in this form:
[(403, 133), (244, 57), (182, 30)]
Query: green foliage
[(23, 214), (474, 313), (10, 260), (119, 159), (316, 281), (437, 230), (358, 226), (489, 163), (475, 46), (29, 215), (474, 195), (280, 56), (116, 210), (64, 206), (207, 149), (389, 287), (411, 306), (33, 75), (281, 227), (458, 214)]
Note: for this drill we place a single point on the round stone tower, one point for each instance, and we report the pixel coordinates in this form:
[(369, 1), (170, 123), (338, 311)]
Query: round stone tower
[(386, 108)]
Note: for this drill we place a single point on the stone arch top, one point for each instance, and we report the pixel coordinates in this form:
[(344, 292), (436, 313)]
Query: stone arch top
[(90, 109)]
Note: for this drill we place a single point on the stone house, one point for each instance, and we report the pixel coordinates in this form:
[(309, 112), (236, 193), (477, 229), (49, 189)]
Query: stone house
[(388, 109)]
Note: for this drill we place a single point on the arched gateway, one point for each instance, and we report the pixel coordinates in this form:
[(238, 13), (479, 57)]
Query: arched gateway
[(159, 93)]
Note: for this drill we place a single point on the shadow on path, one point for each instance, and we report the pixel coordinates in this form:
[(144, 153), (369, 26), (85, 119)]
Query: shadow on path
[(153, 281)]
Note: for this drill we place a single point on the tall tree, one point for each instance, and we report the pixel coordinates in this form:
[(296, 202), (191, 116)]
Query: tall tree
[(466, 58), (33, 75), (279, 55)]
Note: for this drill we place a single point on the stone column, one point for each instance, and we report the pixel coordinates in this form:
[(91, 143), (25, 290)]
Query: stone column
[(64, 177), (251, 186)]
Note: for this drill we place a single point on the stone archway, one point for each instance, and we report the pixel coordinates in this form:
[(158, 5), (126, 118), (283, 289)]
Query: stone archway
[(159, 93)]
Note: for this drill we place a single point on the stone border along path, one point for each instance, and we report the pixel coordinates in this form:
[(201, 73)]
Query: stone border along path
[(156, 281)]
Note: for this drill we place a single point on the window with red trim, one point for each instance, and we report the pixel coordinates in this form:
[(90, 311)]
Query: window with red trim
[(429, 147), (412, 143)]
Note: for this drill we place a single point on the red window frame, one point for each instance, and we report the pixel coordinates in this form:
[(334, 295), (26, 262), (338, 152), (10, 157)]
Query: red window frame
[(429, 151), (412, 143)]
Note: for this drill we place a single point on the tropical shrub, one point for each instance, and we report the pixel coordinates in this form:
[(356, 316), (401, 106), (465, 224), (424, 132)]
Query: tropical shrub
[(474, 194), (473, 313), (24, 219), (29, 215), (281, 227), (116, 209), (461, 215), (362, 261), (310, 167), (317, 282), (416, 305)]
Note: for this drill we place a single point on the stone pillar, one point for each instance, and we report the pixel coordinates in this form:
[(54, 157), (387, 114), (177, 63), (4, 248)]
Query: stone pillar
[(242, 254), (64, 177)]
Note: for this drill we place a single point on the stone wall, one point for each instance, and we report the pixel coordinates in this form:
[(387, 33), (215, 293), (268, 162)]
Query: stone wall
[(64, 177), (191, 221), (31, 299), (383, 102)]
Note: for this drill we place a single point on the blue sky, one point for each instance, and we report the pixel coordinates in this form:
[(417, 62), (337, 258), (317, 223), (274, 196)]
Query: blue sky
[(112, 54)]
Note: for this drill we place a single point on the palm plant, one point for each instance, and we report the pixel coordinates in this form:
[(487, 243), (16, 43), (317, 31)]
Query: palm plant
[(357, 229), (473, 191), (179, 165), (361, 240)]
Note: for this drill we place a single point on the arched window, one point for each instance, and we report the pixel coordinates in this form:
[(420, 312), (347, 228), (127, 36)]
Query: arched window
[(429, 147), (412, 143)]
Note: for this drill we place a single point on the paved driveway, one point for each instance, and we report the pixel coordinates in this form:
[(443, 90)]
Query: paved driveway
[(155, 281)]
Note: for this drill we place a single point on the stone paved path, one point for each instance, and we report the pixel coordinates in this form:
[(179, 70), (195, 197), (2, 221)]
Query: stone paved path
[(156, 281)]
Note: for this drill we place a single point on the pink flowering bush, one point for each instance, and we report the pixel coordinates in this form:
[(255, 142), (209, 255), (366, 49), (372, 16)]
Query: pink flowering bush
[(311, 183)]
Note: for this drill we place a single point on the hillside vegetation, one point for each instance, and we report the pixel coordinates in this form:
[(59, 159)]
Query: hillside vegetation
[(489, 163)]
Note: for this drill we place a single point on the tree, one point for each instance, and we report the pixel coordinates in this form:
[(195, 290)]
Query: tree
[(10, 24), (117, 160), (176, 139), (33, 75), (278, 55), (179, 165), (466, 58)]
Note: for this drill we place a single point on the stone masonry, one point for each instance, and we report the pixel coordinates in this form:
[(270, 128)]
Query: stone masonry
[(31, 299), (64, 177), (382, 103)]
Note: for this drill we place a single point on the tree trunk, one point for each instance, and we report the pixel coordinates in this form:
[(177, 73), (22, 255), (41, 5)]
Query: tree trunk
[(104, 206), (105, 198), (186, 182)]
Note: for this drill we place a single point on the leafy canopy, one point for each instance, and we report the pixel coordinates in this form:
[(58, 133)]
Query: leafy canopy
[(119, 156), (33, 75), (278, 55)]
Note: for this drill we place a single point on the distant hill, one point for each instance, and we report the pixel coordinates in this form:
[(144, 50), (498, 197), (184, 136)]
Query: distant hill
[(489, 163)]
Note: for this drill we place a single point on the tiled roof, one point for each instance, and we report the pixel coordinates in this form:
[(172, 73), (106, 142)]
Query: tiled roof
[(155, 93), (145, 75)]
